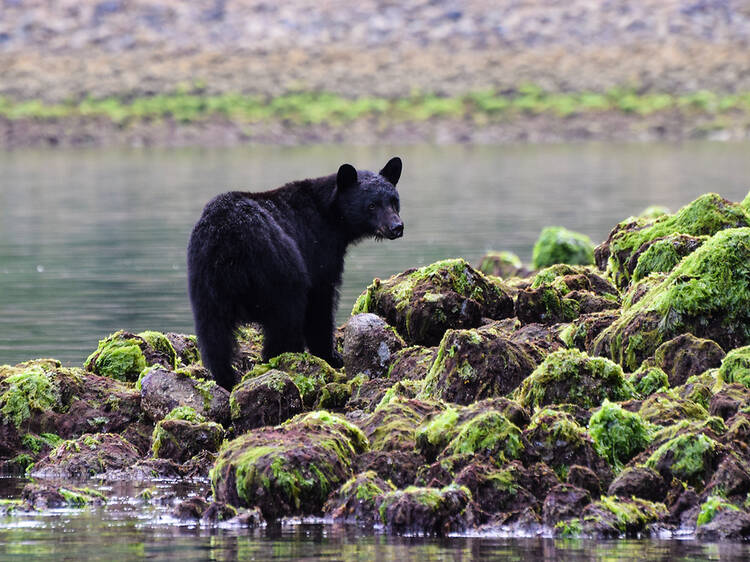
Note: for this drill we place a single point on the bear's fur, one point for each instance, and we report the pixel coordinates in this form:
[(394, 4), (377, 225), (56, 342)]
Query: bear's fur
[(276, 258)]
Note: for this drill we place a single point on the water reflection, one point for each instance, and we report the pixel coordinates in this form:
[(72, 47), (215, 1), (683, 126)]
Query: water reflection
[(94, 241)]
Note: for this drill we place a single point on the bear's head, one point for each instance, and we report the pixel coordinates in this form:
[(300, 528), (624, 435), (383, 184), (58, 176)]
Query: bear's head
[(368, 203)]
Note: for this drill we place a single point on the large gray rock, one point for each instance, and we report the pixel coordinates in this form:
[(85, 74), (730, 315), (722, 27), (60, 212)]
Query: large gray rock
[(369, 345)]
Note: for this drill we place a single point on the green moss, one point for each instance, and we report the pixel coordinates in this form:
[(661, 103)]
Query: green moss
[(707, 294), (618, 434), (118, 357), (663, 255), (404, 389), (557, 428), (493, 262), (26, 392), (711, 507), (432, 498), (689, 454), (570, 528), (337, 424), (365, 487), (633, 513), (557, 244), (653, 212), (569, 375), (185, 413), (434, 434), (35, 442), (161, 344), (648, 380), (665, 407), (80, 497), (736, 366), (489, 433), (713, 425)]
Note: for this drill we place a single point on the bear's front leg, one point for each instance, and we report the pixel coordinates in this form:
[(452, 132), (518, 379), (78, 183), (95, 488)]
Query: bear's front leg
[(320, 324)]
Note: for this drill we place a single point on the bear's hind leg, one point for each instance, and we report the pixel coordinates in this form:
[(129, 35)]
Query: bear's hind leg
[(283, 332), (216, 343), (320, 324)]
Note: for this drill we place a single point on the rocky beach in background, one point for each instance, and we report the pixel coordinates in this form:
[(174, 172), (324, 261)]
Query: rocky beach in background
[(64, 53)]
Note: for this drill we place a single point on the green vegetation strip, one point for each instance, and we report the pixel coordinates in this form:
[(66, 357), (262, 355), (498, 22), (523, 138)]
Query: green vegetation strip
[(191, 104)]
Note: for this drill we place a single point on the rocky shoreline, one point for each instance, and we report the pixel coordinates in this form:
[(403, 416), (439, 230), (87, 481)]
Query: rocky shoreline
[(604, 394)]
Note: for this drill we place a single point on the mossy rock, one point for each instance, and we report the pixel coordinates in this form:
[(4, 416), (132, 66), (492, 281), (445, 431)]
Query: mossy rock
[(369, 345), (89, 455), (614, 517), (123, 356), (559, 441), (182, 439), (474, 364), (583, 331), (641, 482), (358, 500), (502, 264), (699, 388), (618, 435), (392, 427), (736, 366), (308, 372), (685, 356), (425, 511), (423, 303), (489, 434), (572, 376), (666, 408), (31, 389), (707, 294), (648, 380), (289, 469), (706, 216), (268, 399), (411, 363), (186, 348), (557, 244), (662, 254), (691, 458), (402, 389)]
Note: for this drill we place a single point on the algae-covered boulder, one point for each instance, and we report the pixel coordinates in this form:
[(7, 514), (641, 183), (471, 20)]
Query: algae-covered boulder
[(707, 294), (662, 254), (563, 502), (426, 511), (89, 455), (641, 482), (502, 264), (723, 521), (183, 434), (489, 434), (123, 355), (689, 457), (665, 408), (736, 366), (392, 426), (572, 376), (557, 244), (411, 363), (618, 435), (558, 440), (358, 500), (583, 330), (186, 348), (474, 364), (423, 303), (162, 391), (510, 488), (288, 469), (369, 345), (631, 238), (613, 517), (648, 380), (267, 399), (685, 356)]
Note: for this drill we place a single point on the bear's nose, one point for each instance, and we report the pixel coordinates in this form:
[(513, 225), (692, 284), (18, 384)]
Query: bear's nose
[(397, 231)]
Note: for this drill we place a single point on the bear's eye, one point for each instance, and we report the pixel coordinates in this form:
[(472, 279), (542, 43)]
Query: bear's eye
[(371, 206)]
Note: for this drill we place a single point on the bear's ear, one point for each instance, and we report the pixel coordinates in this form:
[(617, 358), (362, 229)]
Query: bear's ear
[(392, 170), (346, 177)]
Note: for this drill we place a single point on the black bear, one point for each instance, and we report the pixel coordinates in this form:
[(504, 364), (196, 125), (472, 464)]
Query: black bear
[(276, 258)]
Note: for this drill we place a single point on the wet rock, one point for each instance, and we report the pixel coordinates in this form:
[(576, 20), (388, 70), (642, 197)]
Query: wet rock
[(267, 399), (489, 434), (615, 517), (726, 524), (662, 254), (586, 479), (497, 490), (249, 350), (539, 339), (358, 500), (181, 439), (191, 508), (683, 504), (728, 401), (502, 264), (89, 455), (441, 473), (648, 380), (630, 240), (731, 478), (186, 348), (162, 391), (557, 244), (412, 363), (572, 376), (688, 457), (705, 294), (216, 512), (123, 355), (368, 395), (664, 408), (441, 429), (474, 364), (557, 439), (249, 518), (685, 356), (423, 303), (398, 467), (369, 345), (736, 366), (289, 469), (426, 511), (43, 496), (564, 501), (583, 331), (392, 427), (618, 435), (639, 482)]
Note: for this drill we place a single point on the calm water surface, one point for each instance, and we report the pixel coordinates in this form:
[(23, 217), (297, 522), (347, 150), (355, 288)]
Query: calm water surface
[(94, 241)]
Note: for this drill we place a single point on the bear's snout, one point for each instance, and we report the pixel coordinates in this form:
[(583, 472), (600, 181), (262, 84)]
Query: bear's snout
[(396, 230)]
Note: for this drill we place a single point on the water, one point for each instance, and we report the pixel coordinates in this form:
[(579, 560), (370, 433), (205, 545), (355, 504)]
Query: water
[(94, 241)]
